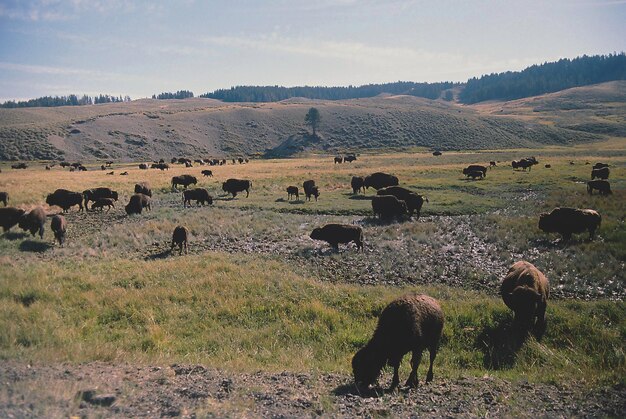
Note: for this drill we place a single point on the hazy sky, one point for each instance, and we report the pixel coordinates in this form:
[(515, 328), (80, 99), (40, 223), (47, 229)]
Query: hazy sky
[(137, 48)]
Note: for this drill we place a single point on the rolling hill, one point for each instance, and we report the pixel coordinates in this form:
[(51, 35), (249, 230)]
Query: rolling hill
[(149, 129)]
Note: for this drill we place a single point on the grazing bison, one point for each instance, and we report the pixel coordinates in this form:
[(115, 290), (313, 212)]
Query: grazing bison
[(19, 166), (143, 188), (358, 184), (59, 227), (180, 238), (334, 234), (184, 180), (567, 221), (603, 187), (137, 203), (474, 174), (124, 174), (144, 166), (388, 206), (475, 168), (526, 290), (234, 186), (110, 173), (34, 221), (9, 217), (293, 191), (492, 164), (380, 180), (310, 189), (436, 153), (97, 193), (64, 164), (338, 159), (207, 173), (65, 199), (602, 173), (103, 202), (4, 198), (522, 164), (109, 163), (414, 201), (349, 158), (600, 165), (200, 195), (411, 323), (547, 166)]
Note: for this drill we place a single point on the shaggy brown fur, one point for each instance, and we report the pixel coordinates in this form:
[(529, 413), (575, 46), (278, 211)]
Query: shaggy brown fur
[(568, 221), (293, 191), (59, 227), (180, 238), (334, 234), (526, 290), (411, 323), (34, 221), (137, 203), (9, 217)]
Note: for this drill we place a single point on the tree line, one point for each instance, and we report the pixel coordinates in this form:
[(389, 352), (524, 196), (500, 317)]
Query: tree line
[(181, 94), (545, 78), (71, 100)]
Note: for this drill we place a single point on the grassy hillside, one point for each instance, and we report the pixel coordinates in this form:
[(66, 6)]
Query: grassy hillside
[(151, 129)]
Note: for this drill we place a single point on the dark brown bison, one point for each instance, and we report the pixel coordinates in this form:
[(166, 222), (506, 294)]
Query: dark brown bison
[(143, 188), (144, 166), (436, 153), (160, 166), (338, 159), (200, 195), (293, 191), (414, 201), (600, 165), (334, 234), (475, 168), (19, 166), (4, 198), (547, 166), (603, 187), (492, 164), (184, 180), (234, 186), (65, 199), (388, 206), (411, 323), (64, 164), (180, 238), (207, 173), (380, 180), (526, 290), (103, 202), (567, 221), (310, 189), (137, 203), (602, 173), (9, 217), (34, 221), (522, 164), (474, 174), (358, 184), (349, 158), (59, 227), (97, 193), (124, 174)]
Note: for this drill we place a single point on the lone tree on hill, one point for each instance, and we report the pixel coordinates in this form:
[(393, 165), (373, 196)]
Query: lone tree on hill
[(312, 118)]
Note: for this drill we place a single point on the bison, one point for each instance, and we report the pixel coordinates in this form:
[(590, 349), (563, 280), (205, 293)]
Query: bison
[(234, 186), (200, 195), (411, 323), (19, 166), (184, 180), (310, 189), (207, 173), (293, 191), (349, 158), (525, 290), (97, 193), (414, 201), (144, 166), (474, 174), (436, 153), (603, 187), (9, 217), (388, 206), (180, 238), (59, 227), (522, 164), (334, 234), (602, 173), (380, 180), (600, 165), (34, 221), (65, 199), (338, 159), (137, 203), (4, 198), (567, 221), (103, 202), (475, 168), (143, 188), (358, 184)]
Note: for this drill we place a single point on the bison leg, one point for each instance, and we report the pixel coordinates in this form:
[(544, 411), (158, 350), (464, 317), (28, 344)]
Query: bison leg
[(415, 363), (247, 193), (433, 354), (41, 232), (540, 325), (395, 363)]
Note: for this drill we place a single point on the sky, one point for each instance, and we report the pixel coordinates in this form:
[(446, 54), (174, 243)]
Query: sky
[(142, 47)]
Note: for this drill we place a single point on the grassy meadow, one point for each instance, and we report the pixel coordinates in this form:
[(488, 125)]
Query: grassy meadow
[(256, 293)]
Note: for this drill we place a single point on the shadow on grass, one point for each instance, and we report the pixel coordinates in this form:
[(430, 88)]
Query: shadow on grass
[(14, 235), (34, 246), (375, 221), (500, 344), (352, 390), (160, 255)]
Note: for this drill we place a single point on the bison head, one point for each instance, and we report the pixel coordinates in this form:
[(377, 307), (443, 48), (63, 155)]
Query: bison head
[(545, 223), (316, 234), (524, 302), (366, 366), (224, 187), (50, 199)]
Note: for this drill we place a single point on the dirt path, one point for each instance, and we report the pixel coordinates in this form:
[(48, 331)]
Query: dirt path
[(107, 390)]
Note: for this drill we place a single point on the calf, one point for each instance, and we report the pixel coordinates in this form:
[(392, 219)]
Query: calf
[(59, 227), (293, 191), (103, 202), (180, 238)]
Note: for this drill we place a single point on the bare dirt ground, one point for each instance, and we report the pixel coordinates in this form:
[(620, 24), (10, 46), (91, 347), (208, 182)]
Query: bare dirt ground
[(104, 390)]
